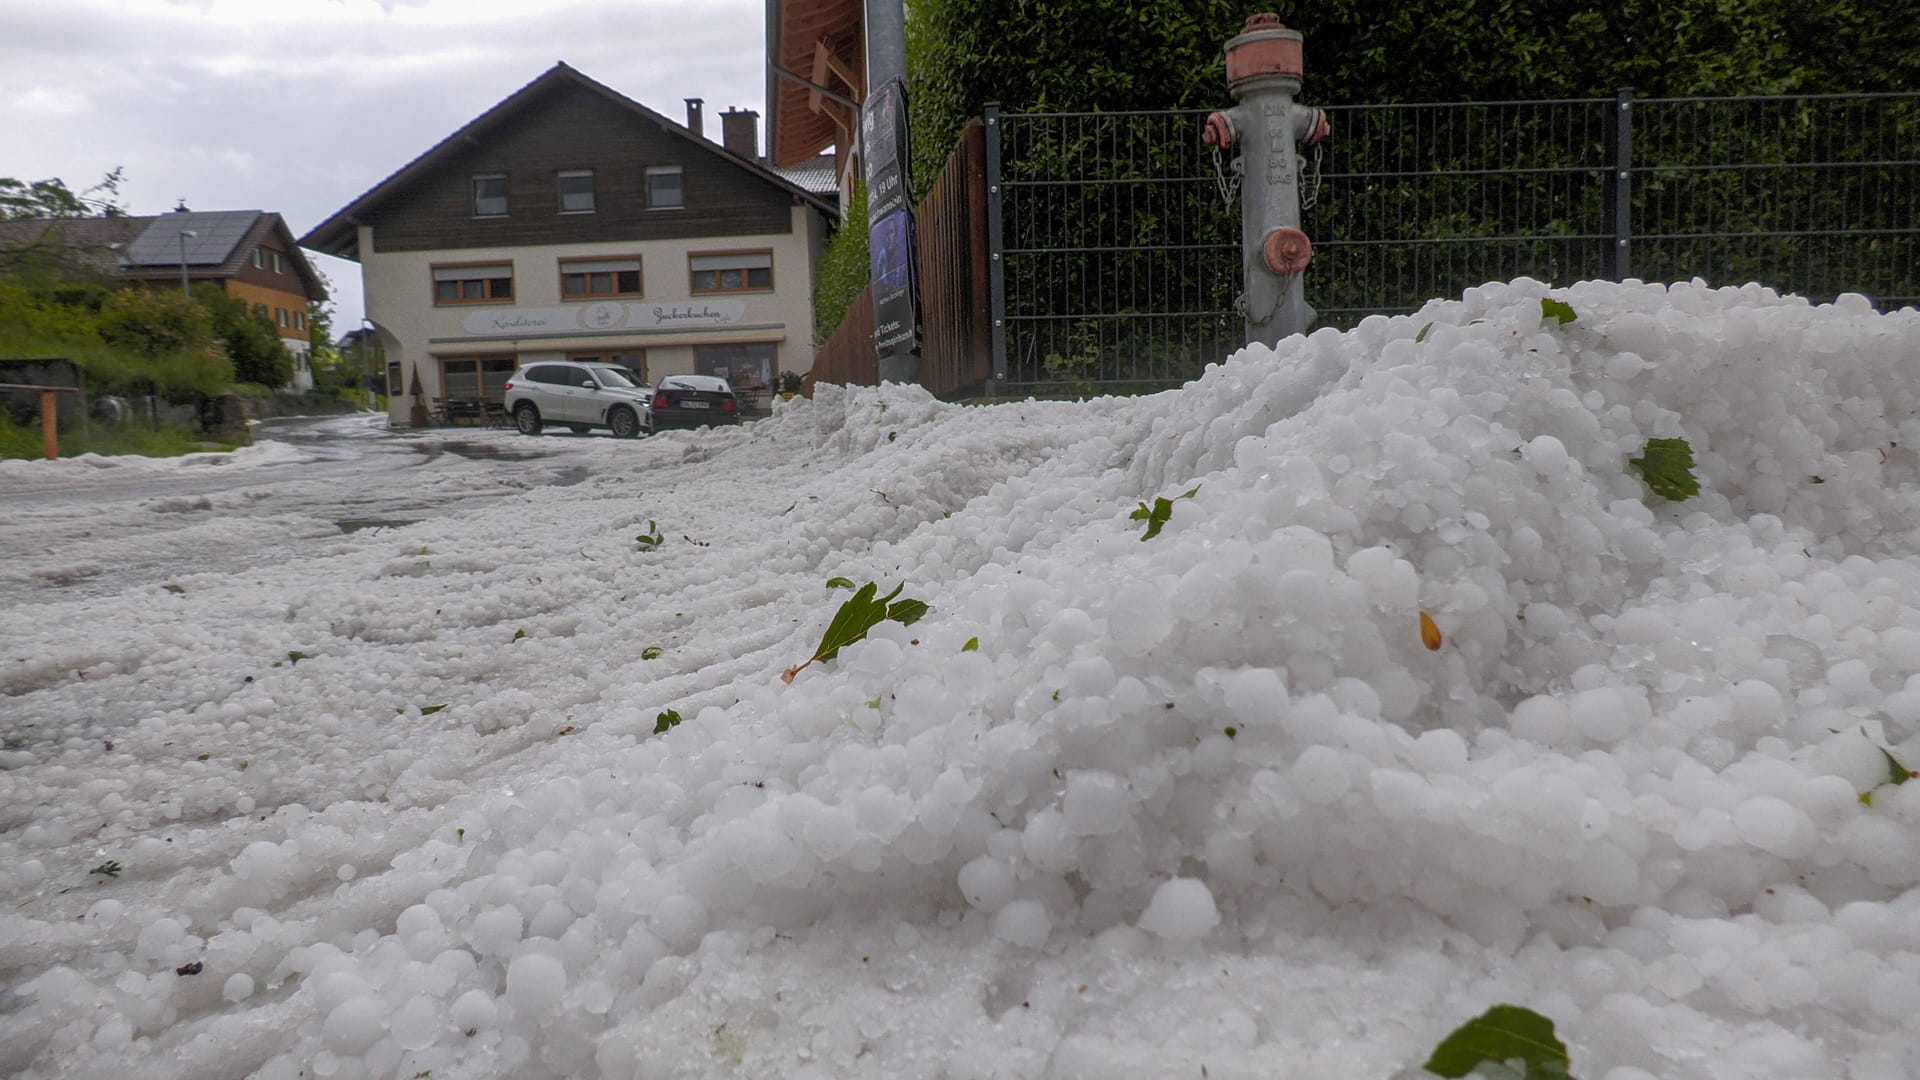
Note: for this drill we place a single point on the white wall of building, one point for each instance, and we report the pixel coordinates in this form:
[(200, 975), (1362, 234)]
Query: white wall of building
[(667, 320)]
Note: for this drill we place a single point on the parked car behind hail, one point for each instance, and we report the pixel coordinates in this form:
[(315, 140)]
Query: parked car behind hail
[(583, 396), (694, 400)]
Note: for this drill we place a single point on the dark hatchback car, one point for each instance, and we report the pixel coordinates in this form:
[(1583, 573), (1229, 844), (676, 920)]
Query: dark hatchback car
[(693, 401)]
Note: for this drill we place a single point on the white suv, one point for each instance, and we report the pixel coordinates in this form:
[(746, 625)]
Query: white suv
[(580, 395)]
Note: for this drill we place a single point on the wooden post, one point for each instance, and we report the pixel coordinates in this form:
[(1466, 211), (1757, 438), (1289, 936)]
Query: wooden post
[(49, 412), (49, 425)]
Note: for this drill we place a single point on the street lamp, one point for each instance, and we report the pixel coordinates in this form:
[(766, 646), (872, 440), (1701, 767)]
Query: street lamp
[(184, 290)]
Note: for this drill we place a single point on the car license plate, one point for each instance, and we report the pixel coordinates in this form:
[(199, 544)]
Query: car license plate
[(693, 404)]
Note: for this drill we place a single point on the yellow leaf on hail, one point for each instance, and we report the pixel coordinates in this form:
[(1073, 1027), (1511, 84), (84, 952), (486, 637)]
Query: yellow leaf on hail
[(1429, 632)]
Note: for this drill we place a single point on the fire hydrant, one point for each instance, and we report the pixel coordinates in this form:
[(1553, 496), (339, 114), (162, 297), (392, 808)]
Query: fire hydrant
[(1264, 70)]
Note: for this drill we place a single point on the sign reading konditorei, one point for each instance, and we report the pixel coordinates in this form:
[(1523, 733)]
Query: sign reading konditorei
[(606, 316), (890, 243)]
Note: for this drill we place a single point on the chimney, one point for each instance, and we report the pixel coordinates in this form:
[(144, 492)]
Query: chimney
[(693, 115), (740, 132)]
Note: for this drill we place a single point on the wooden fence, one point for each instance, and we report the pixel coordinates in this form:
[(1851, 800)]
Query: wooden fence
[(950, 229)]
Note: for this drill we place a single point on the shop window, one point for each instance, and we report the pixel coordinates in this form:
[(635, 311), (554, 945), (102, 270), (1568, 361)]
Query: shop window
[(746, 367), (478, 378), (634, 362)]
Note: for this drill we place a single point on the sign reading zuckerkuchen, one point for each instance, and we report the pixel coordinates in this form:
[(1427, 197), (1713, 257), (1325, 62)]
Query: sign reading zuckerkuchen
[(606, 316)]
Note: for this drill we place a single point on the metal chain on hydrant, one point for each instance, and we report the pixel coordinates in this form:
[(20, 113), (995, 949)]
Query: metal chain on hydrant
[(1309, 178), (1229, 188)]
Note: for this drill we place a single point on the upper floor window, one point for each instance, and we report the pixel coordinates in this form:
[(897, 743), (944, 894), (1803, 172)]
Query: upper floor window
[(731, 271), (664, 190), (280, 316), (490, 195), (260, 258), (583, 279), (576, 191), (279, 262), (486, 284)]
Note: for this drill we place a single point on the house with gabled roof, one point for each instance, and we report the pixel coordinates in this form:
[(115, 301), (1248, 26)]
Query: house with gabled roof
[(571, 222), (248, 254)]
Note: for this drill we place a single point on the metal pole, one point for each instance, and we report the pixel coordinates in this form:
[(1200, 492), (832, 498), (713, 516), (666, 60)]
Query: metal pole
[(364, 363), (185, 291), (996, 247), (1622, 184), (886, 42)]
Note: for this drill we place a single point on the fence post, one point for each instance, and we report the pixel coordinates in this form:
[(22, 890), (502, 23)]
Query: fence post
[(996, 248), (49, 425), (1620, 182)]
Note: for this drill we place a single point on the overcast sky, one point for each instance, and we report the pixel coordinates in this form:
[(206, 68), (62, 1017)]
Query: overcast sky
[(299, 106)]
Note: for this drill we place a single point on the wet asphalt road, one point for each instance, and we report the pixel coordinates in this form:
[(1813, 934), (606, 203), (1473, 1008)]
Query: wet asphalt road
[(79, 534)]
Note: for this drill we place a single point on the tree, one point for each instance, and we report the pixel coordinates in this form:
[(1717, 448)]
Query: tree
[(48, 255), (25, 200), (251, 339)]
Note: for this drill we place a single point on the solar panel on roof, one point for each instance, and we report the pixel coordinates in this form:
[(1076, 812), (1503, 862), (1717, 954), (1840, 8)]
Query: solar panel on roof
[(217, 233)]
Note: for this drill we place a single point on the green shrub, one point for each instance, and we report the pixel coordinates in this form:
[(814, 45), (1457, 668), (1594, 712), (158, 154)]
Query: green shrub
[(843, 269), (24, 441), (126, 341)]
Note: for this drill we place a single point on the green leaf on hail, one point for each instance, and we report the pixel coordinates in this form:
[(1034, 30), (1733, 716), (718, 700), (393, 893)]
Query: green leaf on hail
[(1502, 1033), (907, 612), (1897, 773), (1667, 467), (1155, 516), (1557, 310), (861, 612)]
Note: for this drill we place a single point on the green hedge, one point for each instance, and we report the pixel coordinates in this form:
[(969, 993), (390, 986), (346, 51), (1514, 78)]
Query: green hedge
[(843, 270)]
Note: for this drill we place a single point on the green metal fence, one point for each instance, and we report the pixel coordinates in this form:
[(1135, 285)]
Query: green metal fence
[(1114, 244)]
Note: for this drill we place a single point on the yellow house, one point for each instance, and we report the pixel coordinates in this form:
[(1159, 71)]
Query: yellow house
[(249, 254)]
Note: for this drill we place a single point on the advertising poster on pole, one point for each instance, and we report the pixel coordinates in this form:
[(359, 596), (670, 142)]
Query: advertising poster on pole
[(890, 246)]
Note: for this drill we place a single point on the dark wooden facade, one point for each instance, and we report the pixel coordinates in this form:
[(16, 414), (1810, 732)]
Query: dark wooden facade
[(563, 126), (271, 236)]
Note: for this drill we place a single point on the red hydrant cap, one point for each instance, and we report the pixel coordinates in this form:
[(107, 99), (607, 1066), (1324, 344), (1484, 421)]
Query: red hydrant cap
[(1265, 48), (1322, 127), (1219, 132), (1287, 251)]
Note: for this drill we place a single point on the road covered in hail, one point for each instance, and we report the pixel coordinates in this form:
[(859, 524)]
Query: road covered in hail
[(1284, 721)]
